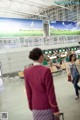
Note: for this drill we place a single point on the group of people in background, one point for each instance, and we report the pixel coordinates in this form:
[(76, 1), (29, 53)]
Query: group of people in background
[(40, 86)]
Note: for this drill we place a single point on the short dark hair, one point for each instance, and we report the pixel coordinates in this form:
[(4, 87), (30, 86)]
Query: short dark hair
[(70, 57), (35, 54)]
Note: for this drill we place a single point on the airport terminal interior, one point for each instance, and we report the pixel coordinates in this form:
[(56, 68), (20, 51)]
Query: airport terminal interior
[(54, 27)]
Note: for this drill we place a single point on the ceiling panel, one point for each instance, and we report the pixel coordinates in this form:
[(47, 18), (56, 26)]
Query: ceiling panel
[(25, 8), (15, 6)]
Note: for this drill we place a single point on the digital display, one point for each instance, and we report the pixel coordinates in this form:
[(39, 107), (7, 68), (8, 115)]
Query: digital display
[(60, 50), (46, 52), (64, 28), (72, 48), (50, 51), (12, 27)]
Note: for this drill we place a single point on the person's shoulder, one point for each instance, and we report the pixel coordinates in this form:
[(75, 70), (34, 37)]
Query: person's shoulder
[(77, 63), (69, 63), (24, 69), (27, 69), (45, 68)]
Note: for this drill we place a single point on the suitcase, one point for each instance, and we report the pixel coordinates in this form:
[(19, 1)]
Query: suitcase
[(62, 116)]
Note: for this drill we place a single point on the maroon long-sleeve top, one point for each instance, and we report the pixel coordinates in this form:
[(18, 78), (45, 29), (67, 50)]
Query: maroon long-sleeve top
[(40, 88)]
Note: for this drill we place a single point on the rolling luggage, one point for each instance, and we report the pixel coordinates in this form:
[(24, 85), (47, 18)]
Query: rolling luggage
[(62, 116)]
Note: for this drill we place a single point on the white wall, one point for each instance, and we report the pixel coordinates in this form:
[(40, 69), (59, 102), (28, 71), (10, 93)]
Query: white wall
[(15, 59)]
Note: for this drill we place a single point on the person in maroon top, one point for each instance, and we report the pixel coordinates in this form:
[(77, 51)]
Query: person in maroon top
[(40, 89)]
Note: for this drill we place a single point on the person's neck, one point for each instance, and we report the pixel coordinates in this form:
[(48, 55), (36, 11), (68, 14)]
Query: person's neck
[(39, 61), (73, 62), (36, 63)]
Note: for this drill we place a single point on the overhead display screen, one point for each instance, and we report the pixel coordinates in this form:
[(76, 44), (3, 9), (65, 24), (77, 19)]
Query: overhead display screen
[(13, 27), (64, 28)]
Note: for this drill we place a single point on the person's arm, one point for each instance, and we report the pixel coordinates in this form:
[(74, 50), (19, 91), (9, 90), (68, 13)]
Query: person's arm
[(68, 69), (78, 67), (28, 91), (51, 91)]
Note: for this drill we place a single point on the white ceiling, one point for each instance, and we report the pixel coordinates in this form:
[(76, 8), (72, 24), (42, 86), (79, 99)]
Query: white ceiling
[(27, 8), (22, 8)]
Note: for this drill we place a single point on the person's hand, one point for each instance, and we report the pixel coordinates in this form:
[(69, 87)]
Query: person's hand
[(57, 116), (69, 74)]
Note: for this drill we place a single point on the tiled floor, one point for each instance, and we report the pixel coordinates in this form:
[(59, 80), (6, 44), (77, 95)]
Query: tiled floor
[(13, 99)]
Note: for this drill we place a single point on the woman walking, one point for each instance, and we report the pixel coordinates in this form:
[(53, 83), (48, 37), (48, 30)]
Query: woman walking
[(73, 70), (40, 89)]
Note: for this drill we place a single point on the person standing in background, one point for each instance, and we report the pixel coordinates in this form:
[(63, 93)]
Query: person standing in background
[(40, 89), (73, 70)]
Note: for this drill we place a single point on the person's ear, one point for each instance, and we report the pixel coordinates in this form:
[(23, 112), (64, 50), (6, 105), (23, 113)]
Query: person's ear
[(41, 57)]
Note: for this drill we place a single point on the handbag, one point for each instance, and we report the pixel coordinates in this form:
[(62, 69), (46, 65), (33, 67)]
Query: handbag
[(69, 78)]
